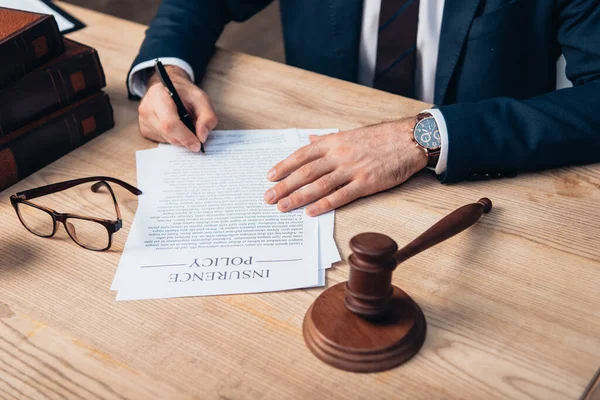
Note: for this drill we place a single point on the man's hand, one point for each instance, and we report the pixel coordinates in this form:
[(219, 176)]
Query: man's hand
[(338, 168), (158, 116)]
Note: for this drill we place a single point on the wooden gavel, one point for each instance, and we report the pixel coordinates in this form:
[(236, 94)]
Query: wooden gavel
[(375, 257), (367, 324)]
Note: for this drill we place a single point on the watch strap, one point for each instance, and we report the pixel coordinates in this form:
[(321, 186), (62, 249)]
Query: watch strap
[(432, 158)]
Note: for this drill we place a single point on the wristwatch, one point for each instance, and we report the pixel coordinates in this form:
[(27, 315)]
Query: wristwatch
[(426, 136)]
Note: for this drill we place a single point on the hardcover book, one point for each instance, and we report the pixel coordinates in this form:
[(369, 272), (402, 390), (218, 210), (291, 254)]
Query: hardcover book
[(71, 76), (27, 40), (38, 144)]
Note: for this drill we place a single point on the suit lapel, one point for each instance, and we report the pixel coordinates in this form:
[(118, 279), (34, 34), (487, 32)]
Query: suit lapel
[(456, 21)]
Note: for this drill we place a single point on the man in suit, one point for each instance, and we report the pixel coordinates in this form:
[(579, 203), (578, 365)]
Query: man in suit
[(488, 65)]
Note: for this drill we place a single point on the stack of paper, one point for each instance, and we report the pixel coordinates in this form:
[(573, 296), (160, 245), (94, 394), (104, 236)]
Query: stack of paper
[(202, 226)]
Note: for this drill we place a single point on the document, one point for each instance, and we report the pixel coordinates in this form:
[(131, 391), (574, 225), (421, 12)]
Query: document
[(202, 226)]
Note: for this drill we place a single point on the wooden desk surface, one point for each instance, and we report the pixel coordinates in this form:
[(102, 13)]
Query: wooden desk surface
[(513, 304)]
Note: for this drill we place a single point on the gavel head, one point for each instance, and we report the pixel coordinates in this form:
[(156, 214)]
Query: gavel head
[(369, 287)]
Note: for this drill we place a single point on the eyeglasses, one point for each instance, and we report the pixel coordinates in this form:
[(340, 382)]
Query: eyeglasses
[(88, 232)]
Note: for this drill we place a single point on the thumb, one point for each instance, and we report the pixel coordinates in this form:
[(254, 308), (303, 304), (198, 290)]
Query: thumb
[(201, 132), (205, 118), (206, 121)]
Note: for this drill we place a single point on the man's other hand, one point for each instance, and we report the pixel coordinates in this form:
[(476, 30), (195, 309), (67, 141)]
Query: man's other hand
[(158, 116), (338, 168)]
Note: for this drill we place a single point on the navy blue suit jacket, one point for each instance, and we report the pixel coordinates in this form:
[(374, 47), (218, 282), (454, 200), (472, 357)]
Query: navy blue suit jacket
[(495, 80)]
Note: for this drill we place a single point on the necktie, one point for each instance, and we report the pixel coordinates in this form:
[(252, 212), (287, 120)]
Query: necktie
[(396, 47)]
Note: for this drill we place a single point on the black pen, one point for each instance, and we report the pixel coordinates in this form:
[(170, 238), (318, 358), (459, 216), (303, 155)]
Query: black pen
[(184, 115)]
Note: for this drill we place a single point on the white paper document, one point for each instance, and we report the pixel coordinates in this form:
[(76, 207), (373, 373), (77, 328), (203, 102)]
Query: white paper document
[(202, 226)]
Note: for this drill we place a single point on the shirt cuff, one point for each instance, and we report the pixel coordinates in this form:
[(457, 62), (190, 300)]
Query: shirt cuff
[(138, 77), (440, 168)]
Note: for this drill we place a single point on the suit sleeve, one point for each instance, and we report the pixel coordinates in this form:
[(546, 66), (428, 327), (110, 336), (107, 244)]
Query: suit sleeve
[(502, 136), (188, 30)]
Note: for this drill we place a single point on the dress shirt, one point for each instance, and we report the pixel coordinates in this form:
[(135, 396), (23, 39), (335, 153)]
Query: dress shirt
[(428, 40)]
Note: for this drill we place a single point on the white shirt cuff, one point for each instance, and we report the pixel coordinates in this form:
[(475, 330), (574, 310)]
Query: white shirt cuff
[(138, 76), (440, 168)]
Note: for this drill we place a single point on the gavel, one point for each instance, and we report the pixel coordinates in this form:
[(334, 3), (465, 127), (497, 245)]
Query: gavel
[(367, 324)]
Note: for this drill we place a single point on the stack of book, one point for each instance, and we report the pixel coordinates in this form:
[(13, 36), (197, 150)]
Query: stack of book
[(50, 94)]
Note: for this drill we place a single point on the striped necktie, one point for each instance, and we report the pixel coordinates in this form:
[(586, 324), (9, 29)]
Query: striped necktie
[(396, 47)]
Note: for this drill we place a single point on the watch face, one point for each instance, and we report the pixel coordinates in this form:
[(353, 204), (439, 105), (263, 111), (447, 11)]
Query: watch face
[(427, 133)]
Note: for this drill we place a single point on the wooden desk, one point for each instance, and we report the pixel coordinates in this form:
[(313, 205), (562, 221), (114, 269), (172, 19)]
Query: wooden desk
[(513, 304)]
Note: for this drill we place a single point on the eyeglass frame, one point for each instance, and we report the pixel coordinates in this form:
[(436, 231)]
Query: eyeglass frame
[(111, 226)]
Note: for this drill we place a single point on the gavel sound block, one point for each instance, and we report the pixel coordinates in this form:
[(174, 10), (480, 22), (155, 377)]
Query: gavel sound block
[(367, 324)]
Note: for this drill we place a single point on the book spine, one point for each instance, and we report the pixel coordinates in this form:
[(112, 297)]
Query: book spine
[(29, 49), (52, 89), (54, 139)]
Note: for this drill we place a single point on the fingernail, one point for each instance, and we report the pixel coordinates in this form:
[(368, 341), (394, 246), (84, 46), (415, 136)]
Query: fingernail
[(205, 133), (311, 210), (284, 204), (270, 195), (271, 174), (195, 147)]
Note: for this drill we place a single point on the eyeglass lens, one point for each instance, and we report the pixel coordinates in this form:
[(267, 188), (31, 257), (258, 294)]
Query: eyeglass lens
[(89, 234), (36, 220)]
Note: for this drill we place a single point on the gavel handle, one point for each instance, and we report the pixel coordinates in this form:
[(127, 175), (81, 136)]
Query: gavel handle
[(452, 224)]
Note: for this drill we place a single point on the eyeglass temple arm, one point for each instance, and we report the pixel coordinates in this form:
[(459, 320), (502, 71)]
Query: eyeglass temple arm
[(96, 186), (60, 186)]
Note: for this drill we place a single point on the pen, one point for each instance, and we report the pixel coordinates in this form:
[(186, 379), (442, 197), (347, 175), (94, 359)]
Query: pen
[(184, 115)]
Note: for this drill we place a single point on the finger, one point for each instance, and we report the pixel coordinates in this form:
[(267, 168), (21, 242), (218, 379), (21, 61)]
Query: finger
[(148, 122), (344, 195), (302, 176), (315, 191), (153, 132), (316, 138), (204, 114), (300, 157), (173, 130), (146, 125)]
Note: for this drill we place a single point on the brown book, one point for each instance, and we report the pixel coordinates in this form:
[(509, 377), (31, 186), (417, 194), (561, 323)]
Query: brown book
[(27, 40), (71, 76), (38, 144)]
